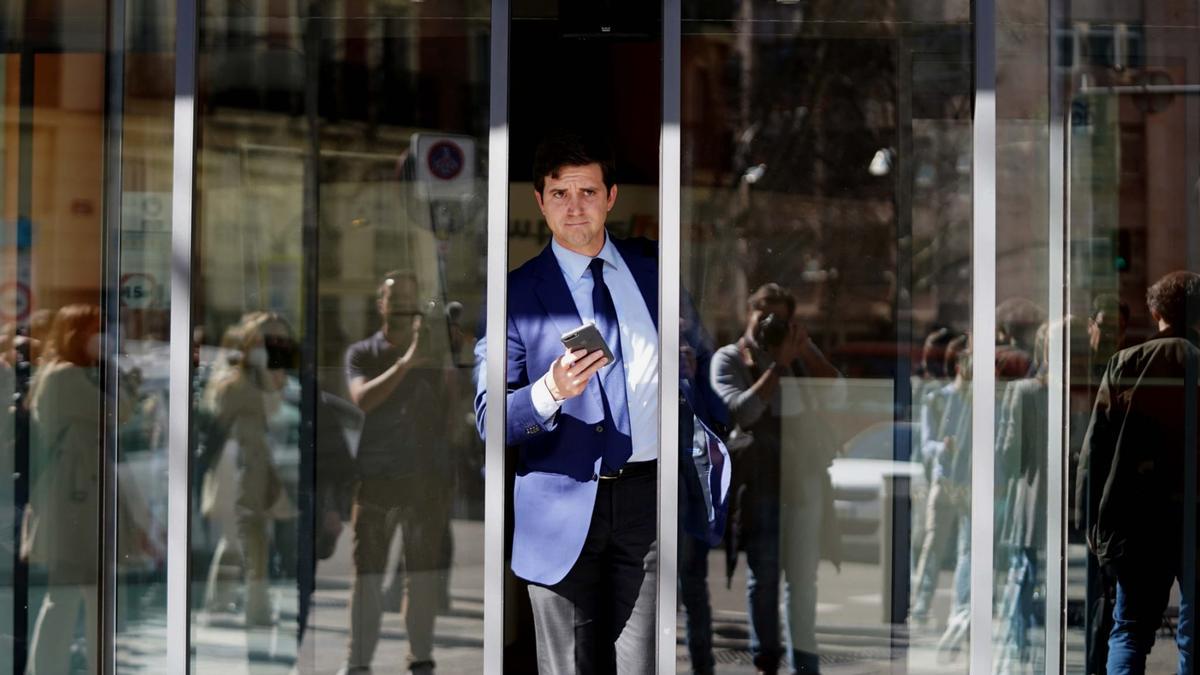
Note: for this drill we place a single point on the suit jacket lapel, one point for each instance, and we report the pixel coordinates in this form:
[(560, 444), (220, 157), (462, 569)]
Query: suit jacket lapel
[(553, 293)]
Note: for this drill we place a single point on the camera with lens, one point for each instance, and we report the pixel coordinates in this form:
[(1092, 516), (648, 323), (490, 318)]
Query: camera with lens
[(282, 352), (771, 330)]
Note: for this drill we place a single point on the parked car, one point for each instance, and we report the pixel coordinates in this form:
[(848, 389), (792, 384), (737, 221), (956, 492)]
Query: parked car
[(859, 476)]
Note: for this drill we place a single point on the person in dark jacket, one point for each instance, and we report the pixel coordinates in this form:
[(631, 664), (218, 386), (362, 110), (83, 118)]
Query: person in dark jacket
[(1137, 476)]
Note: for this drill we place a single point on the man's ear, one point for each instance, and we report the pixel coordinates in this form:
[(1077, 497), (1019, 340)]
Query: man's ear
[(538, 197), (612, 196)]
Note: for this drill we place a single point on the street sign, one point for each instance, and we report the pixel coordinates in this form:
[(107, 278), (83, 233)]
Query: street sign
[(16, 301), (138, 291), (445, 166)]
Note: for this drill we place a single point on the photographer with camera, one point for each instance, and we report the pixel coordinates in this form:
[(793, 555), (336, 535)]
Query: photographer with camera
[(404, 473), (746, 376)]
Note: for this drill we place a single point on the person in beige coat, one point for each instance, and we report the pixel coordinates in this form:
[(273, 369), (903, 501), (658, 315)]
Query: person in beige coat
[(66, 406)]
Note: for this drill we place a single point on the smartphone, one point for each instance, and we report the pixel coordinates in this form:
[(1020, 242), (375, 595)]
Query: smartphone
[(587, 337)]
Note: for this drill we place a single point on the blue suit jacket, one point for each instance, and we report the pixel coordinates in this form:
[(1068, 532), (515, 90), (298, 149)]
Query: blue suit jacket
[(558, 468)]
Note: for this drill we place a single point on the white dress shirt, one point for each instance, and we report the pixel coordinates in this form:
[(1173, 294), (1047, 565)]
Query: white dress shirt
[(639, 342)]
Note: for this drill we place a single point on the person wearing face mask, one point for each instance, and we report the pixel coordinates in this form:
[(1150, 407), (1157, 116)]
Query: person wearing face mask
[(67, 408), (243, 396), (404, 474)]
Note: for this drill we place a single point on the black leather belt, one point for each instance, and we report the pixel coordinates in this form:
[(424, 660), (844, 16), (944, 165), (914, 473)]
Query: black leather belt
[(648, 468)]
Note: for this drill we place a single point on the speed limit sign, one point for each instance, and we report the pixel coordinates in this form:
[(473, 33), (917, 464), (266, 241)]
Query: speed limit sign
[(138, 290)]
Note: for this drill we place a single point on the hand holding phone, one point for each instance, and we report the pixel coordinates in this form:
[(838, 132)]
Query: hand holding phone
[(586, 353), (588, 338)]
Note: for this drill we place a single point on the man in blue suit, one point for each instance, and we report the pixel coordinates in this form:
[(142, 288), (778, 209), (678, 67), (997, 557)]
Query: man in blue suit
[(585, 513)]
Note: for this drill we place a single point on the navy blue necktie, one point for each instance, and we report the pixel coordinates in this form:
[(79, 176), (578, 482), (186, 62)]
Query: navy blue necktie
[(618, 446)]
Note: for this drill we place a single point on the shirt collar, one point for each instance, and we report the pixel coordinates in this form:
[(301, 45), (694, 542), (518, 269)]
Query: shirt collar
[(575, 264)]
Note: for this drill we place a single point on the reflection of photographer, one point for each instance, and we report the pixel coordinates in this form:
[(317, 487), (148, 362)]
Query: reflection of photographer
[(396, 377), (745, 375)]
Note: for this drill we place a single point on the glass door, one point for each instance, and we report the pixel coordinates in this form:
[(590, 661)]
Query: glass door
[(1132, 149), (338, 281), (827, 312)]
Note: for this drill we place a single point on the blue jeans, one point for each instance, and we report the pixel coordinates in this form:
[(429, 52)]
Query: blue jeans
[(801, 516), (762, 585), (940, 517), (962, 568), (1142, 596), (1019, 613), (693, 592)]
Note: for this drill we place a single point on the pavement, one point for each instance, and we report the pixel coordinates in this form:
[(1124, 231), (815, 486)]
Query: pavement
[(852, 635)]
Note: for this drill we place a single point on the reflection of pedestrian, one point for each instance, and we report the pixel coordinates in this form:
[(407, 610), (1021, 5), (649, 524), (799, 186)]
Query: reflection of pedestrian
[(1021, 455), (947, 511), (696, 540), (1106, 334), (66, 408), (243, 397), (927, 381), (403, 473), (746, 376), (1134, 477)]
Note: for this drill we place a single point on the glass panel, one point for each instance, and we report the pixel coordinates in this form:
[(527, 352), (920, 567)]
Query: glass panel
[(1129, 73), (144, 278), (53, 421), (827, 257), (1022, 424), (337, 506), (586, 87)]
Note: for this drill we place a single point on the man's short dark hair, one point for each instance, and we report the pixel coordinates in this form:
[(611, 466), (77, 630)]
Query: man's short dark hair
[(772, 294), (1176, 298), (933, 353), (1018, 319), (570, 149)]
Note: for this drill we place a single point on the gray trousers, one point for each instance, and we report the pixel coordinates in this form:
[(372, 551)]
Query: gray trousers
[(600, 618)]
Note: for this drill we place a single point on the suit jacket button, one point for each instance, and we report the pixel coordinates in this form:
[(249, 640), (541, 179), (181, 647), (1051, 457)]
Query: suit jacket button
[(599, 428), (595, 476)]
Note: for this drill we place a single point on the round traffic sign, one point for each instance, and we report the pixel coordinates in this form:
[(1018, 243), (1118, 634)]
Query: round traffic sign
[(445, 160), (138, 290), (16, 301)]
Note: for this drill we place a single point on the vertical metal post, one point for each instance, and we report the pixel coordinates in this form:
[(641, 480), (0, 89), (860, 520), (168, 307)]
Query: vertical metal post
[(897, 567), (24, 369), (182, 213), (497, 347), (1059, 378), (670, 250), (114, 118), (306, 559), (983, 328), (1188, 580)]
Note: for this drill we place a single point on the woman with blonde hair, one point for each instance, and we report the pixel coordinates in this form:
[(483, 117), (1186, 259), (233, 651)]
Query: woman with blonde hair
[(243, 394), (67, 407)]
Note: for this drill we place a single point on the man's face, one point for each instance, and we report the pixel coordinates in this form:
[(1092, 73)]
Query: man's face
[(576, 205), (397, 305)]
